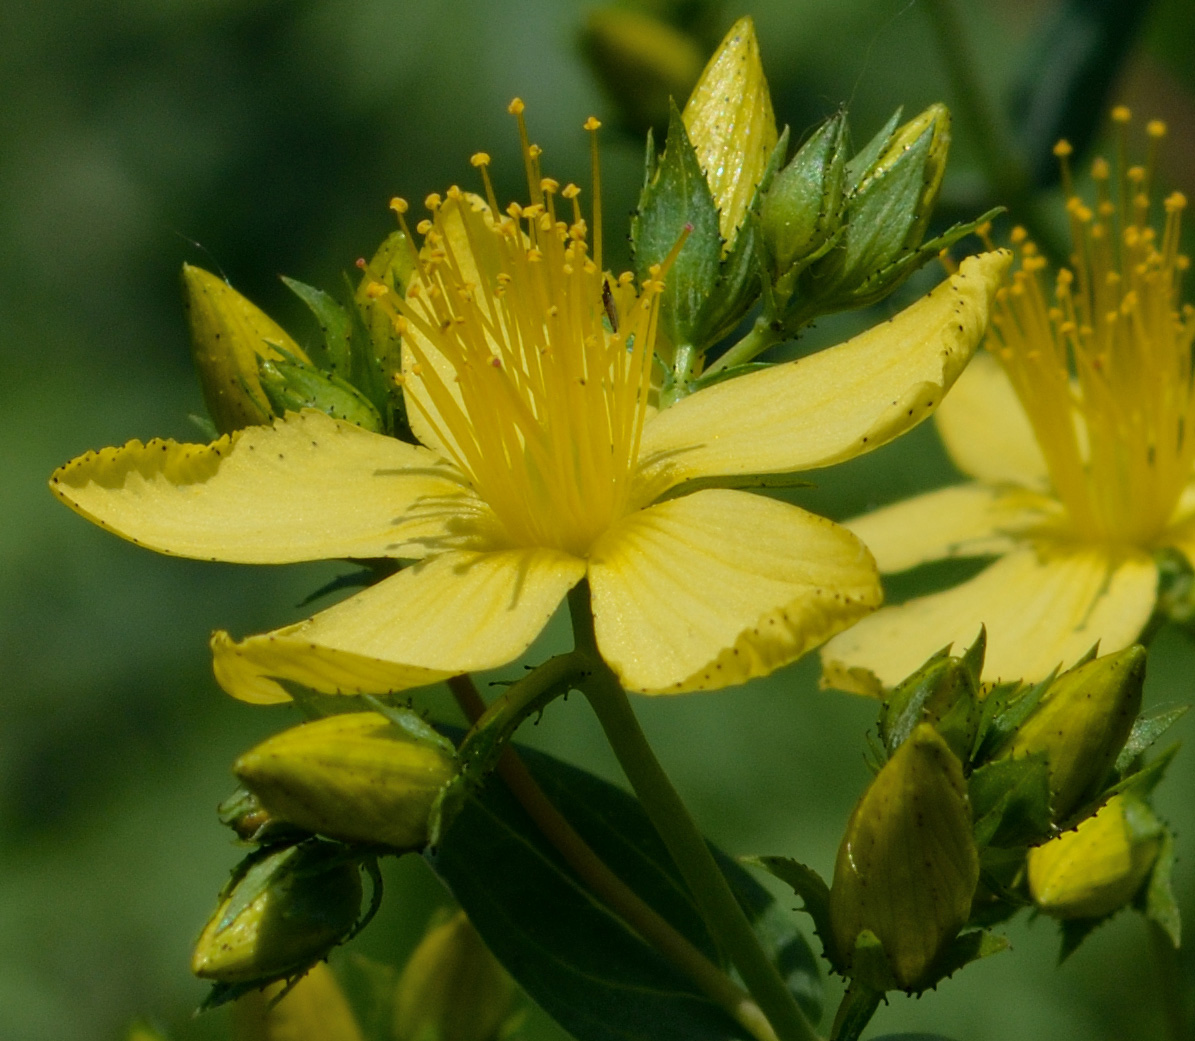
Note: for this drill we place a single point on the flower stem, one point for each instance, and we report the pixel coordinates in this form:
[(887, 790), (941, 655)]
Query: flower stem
[(611, 889), (723, 914), (759, 338)]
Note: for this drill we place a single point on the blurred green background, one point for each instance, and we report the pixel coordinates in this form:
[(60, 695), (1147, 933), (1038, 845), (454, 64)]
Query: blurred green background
[(259, 137)]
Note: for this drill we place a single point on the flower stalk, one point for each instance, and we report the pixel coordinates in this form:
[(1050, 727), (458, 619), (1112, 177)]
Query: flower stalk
[(722, 913)]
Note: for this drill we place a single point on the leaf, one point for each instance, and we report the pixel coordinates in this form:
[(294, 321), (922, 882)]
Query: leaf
[(676, 197), (569, 952), (1010, 801), (334, 322), (1145, 732)]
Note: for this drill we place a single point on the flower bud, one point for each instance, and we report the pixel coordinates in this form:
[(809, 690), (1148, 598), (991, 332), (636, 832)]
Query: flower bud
[(391, 266), (142, 1031), (290, 386), (243, 812), (944, 693), (356, 776), (1081, 724), (452, 989), (283, 910), (907, 867), (229, 337), (640, 61), (314, 1009), (804, 205), (1097, 868), (730, 122)]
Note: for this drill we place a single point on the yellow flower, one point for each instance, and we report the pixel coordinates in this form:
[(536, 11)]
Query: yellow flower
[(527, 378), (1076, 425)]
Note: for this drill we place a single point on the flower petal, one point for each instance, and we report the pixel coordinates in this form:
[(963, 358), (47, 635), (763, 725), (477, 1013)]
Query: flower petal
[(719, 586), (1043, 606), (306, 488), (832, 405), (985, 429), (967, 520), (454, 613)]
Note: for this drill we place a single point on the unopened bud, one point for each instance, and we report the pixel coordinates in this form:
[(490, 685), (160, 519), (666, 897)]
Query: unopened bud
[(314, 1009), (390, 267), (944, 693), (1099, 867), (1081, 724), (907, 867), (803, 207), (229, 338), (453, 988), (356, 776), (640, 61), (292, 385), (731, 125), (284, 910)]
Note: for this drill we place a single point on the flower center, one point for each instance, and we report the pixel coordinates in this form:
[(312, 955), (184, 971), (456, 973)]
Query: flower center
[(531, 366), (1104, 368)]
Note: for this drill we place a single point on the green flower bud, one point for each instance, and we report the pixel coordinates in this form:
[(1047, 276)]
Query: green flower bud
[(804, 205), (944, 692), (452, 989), (357, 777), (283, 910), (907, 867), (229, 338), (1100, 866), (731, 125), (391, 266), (640, 61), (1081, 724), (243, 812), (291, 386), (314, 1009)]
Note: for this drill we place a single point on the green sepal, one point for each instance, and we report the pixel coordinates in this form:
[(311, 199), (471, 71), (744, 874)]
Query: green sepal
[(1005, 708), (866, 157), (721, 375), (335, 324), (736, 481), (205, 426), (1073, 932), (1140, 782), (292, 385), (814, 894), (966, 948), (1146, 730), (1010, 801), (1156, 898), (675, 198), (870, 965)]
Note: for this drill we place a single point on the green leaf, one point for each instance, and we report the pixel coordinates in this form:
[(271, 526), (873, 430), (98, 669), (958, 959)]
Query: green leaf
[(1010, 801), (334, 322), (569, 952), (679, 196), (1145, 732)]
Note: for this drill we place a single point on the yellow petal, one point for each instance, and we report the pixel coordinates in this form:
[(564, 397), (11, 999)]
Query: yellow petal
[(731, 125), (968, 520), (832, 405), (307, 488), (985, 429), (457, 612), (713, 588), (1043, 606)]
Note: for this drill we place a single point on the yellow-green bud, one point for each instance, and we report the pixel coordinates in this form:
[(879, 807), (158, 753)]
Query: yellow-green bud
[(314, 1009), (229, 337), (944, 693), (391, 266), (1095, 869), (803, 207), (283, 911), (452, 989), (732, 128), (1081, 724), (291, 386), (907, 867), (640, 61), (356, 776)]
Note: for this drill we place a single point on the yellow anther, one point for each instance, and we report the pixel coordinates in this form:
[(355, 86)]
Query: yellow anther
[(1018, 235), (534, 151), (1175, 201), (1121, 114), (514, 210), (375, 289), (432, 202), (454, 193), (515, 108), (570, 191), (592, 123), (399, 205), (1100, 169), (424, 227), (1155, 128), (1135, 174), (480, 159), (416, 369), (549, 184), (1063, 148)]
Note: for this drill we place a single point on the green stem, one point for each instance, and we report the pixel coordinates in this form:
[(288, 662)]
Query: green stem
[(760, 337), (1170, 981), (999, 154), (723, 914), (606, 885), (858, 1005)]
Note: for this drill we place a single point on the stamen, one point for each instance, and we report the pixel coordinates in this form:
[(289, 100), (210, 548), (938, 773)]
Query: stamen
[(592, 124)]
